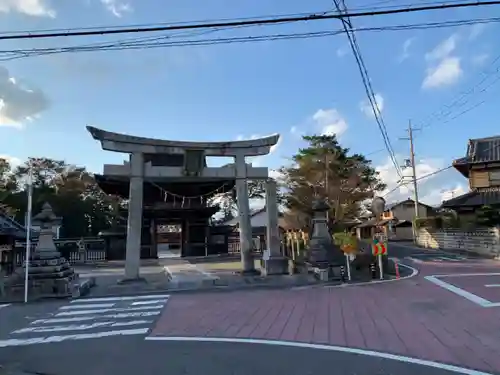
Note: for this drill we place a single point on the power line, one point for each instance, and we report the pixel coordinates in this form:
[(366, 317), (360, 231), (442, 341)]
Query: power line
[(165, 41), (365, 78), (418, 179), (237, 23)]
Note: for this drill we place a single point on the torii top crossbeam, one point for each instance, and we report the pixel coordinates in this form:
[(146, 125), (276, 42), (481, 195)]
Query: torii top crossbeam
[(129, 144)]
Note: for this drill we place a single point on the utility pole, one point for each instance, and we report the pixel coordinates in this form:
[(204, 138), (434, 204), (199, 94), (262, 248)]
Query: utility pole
[(413, 176)]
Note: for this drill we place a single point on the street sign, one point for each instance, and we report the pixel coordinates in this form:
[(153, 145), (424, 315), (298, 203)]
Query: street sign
[(379, 247)]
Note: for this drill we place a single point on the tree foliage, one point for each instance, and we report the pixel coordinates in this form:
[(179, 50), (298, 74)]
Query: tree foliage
[(327, 170), (71, 191)]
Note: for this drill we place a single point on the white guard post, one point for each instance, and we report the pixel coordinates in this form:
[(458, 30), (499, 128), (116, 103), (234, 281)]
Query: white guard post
[(380, 266), (348, 266)]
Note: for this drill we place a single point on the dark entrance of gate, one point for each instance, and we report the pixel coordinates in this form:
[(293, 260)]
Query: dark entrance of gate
[(176, 216)]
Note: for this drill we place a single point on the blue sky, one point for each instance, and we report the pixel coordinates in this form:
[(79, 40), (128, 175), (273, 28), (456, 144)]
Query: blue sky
[(237, 91)]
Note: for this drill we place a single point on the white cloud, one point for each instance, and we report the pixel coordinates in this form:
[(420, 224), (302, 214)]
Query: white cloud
[(13, 161), (19, 103), (366, 108), (388, 174), (406, 49), (447, 72), (341, 52), (117, 7), (436, 196), (36, 8), (443, 49), (476, 30), (329, 121), (479, 60)]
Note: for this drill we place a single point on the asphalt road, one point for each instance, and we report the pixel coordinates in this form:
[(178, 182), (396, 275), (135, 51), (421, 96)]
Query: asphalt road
[(133, 355), (402, 251)]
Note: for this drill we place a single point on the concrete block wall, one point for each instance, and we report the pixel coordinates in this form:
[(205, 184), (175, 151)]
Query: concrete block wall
[(482, 241)]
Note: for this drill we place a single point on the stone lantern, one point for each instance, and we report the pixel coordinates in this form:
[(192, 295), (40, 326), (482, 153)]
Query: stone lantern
[(49, 273), (322, 251)]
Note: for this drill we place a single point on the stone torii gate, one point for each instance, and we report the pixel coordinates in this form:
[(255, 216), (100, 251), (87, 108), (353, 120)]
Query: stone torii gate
[(194, 156)]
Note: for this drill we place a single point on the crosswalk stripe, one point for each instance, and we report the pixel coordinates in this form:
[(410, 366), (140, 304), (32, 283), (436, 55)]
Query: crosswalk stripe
[(82, 336), (124, 298), (93, 317), (82, 327), (149, 302), (93, 306), (84, 312)]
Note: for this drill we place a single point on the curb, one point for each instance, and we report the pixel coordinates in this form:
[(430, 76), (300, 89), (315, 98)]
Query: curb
[(250, 287)]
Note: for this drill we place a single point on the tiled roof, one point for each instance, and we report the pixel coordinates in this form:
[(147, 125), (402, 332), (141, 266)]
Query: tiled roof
[(473, 199), (483, 150), (374, 222), (390, 206)]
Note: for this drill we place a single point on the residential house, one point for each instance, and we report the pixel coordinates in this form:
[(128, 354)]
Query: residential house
[(481, 166), (396, 220)]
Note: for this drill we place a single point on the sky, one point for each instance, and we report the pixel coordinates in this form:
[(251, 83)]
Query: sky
[(443, 80)]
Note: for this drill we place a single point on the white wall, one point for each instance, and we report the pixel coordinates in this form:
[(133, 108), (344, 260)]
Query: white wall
[(484, 241), (257, 220), (407, 212)]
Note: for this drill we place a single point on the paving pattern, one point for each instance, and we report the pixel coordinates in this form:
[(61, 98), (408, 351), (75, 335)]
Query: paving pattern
[(91, 318), (412, 317)]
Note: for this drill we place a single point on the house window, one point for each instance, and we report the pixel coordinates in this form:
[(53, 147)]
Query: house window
[(495, 178)]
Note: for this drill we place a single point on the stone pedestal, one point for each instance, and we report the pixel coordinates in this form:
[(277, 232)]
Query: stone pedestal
[(49, 274), (274, 266)]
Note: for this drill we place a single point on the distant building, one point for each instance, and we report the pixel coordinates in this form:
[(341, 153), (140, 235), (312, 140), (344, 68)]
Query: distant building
[(397, 220), (481, 166), (258, 219)]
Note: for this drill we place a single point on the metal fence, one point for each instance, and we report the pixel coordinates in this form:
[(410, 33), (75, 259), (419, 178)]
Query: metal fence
[(95, 251)]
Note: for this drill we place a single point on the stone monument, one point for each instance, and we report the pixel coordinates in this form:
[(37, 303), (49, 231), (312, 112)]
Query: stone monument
[(49, 274), (323, 253)]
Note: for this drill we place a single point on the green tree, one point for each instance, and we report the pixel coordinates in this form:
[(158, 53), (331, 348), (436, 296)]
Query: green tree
[(326, 169), (72, 192)]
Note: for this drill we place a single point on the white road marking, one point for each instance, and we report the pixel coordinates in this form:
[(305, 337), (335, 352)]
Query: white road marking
[(492, 285), (93, 317), (124, 298), (340, 349), (4, 305), (461, 292), (149, 302), (118, 309), (82, 336), (93, 306), (82, 327)]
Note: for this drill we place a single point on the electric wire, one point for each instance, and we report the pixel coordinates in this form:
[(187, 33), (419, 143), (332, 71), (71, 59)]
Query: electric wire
[(164, 41), (233, 23), (365, 78)]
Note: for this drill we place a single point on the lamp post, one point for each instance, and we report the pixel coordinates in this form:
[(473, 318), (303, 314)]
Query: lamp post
[(28, 230)]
